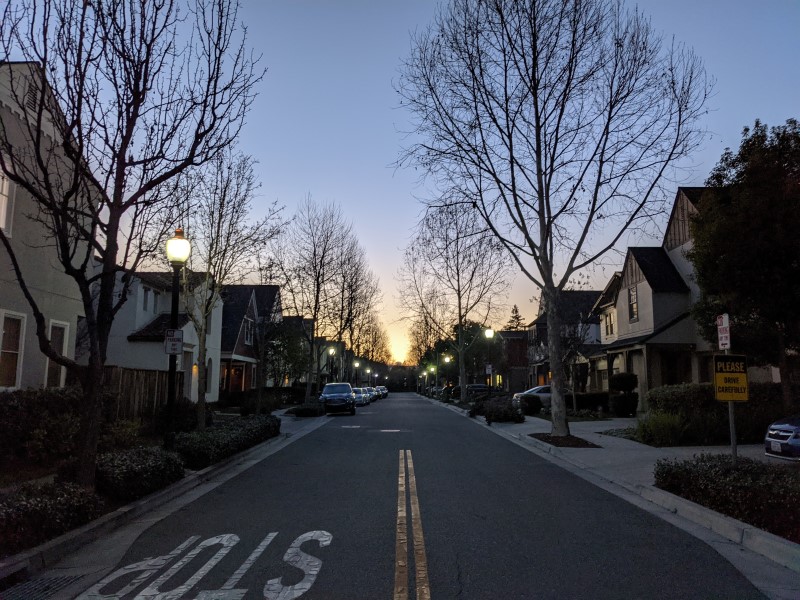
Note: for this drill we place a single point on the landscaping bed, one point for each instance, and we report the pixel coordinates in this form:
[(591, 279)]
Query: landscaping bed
[(130, 464)]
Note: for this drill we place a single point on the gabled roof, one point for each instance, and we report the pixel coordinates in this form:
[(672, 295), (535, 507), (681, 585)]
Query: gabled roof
[(658, 270), (608, 297), (574, 306), (513, 334), (693, 194), (236, 299), (154, 331)]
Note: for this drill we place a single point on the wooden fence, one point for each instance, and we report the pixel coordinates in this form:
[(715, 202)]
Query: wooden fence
[(137, 393)]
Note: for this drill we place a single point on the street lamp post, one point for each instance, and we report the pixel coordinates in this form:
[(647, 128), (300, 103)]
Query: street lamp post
[(356, 366), (331, 362), (178, 250)]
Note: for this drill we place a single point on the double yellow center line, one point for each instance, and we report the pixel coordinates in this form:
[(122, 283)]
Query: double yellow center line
[(423, 587)]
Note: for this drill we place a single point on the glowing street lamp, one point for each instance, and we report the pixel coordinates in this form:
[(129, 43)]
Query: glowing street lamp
[(178, 250)]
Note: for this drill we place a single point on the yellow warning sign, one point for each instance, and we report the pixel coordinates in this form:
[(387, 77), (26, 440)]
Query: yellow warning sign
[(730, 378)]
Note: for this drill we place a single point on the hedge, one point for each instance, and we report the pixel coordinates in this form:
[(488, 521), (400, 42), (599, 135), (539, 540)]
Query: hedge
[(199, 449), (704, 420), (33, 514), (132, 474), (763, 495)]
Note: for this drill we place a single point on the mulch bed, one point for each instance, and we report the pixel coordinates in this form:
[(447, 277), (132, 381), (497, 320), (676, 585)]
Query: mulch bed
[(568, 441)]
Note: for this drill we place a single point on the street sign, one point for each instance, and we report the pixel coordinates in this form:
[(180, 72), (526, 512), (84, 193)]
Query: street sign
[(173, 341), (730, 378), (723, 332)]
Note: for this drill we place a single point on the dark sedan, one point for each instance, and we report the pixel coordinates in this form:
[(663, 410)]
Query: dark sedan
[(338, 397), (783, 439)]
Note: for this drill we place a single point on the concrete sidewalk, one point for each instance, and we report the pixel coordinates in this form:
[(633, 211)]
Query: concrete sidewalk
[(625, 468)]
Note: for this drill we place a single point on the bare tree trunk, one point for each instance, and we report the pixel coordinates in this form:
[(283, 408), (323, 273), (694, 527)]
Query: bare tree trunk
[(558, 410), (202, 381), (91, 380)]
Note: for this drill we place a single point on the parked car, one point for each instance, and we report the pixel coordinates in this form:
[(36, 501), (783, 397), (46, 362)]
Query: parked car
[(362, 397), (338, 397), (542, 391), (783, 439), (383, 391), (370, 391), (477, 391)]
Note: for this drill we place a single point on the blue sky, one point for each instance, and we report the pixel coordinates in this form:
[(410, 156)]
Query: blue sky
[(327, 121)]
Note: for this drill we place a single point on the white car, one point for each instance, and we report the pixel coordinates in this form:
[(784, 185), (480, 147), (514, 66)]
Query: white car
[(543, 392), (362, 397)]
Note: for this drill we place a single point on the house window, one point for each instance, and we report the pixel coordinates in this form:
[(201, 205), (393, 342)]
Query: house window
[(633, 305), (155, 301), (146, 301), (6, 204), (248, 332), (11, 350), (58, 339), (253, 375), (608, 320)]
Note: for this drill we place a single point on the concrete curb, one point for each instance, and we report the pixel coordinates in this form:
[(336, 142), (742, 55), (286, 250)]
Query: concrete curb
[(19, 567)]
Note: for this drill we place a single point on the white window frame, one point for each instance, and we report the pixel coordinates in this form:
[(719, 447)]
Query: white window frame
[(7, 192), (21, 350), (62, 351), (248, 331), (633, 304)]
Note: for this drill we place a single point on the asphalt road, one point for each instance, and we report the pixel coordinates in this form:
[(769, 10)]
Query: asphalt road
[(409, 500)]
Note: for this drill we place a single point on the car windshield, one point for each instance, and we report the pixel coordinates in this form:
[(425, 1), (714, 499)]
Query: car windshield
[(337, 388), (356, 390)]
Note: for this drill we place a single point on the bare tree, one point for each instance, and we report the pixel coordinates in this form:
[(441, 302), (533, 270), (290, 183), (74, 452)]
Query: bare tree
[(226, 242), (310, 261), (454, 271), (119, 97), (556, 120)]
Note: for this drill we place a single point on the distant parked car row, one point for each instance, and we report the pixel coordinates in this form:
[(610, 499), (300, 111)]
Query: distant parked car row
[(342, 397)]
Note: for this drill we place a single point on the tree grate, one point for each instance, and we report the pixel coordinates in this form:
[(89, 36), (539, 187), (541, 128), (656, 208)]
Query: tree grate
[(39, 589)]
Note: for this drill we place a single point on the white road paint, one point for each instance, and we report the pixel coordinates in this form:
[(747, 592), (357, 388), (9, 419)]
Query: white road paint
[(151, 592), (310, 565), (146, 569)]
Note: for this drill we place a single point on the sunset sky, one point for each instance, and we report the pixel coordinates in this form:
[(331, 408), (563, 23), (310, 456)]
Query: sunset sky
[(327, 121)]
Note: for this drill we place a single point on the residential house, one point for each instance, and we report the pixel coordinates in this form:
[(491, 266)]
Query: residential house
[(246, 308), (645, 309), (22, 364), (137, 335), (515, 376), (580, 336)]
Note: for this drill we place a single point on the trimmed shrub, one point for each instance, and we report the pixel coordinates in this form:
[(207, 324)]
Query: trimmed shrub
[(501, 410), (34, 514), (307, 410), (119, 435), (39, 424), (623, 405), (705, 420), (745, 491), (623, 382), (132, 474), (660, 429), (199, 449), (530, 405)]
